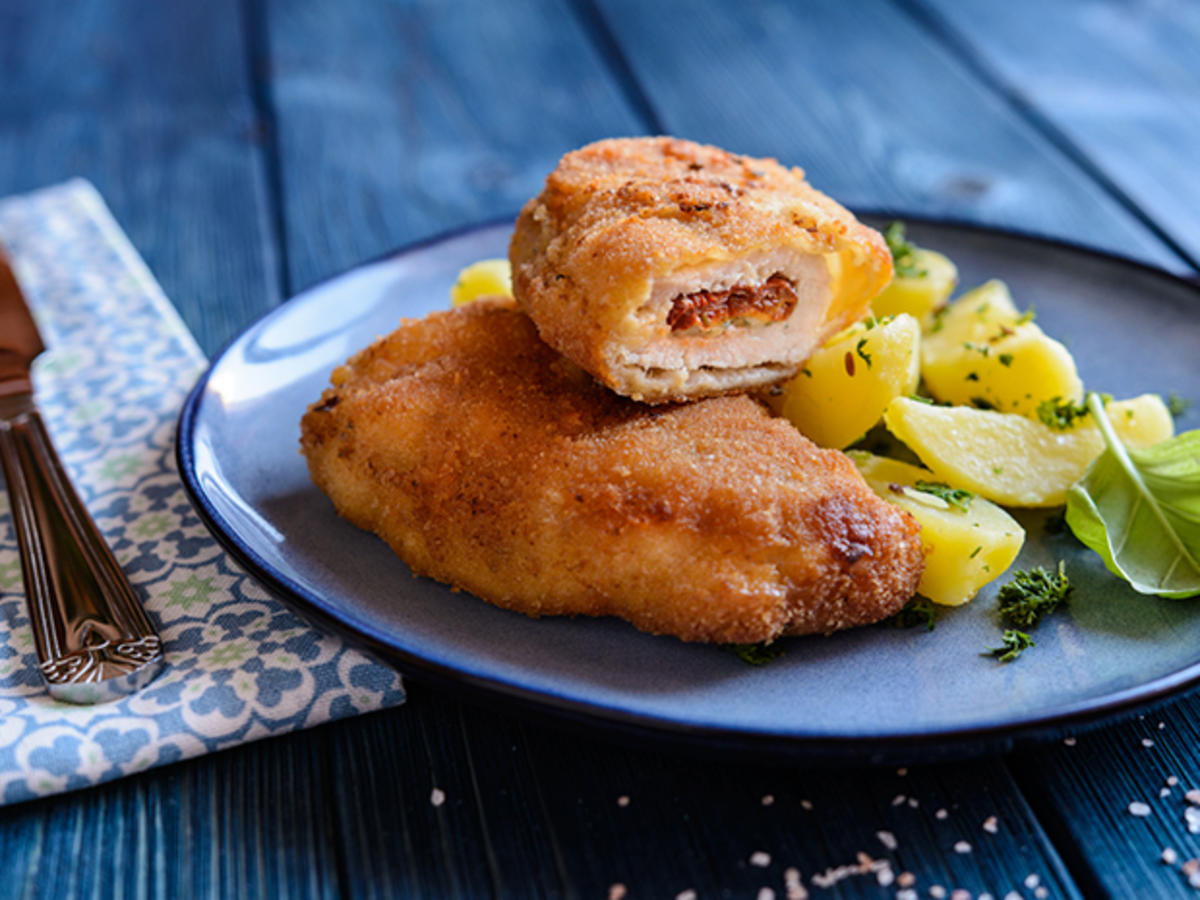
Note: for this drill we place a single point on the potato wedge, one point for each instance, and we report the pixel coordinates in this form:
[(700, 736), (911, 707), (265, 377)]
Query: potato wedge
[(845, 386), (965, 548), (486, 278), (918, 295), (1014, 460), (979, 352)]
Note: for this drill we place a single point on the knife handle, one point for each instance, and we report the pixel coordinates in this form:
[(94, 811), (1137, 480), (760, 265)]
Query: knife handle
[(94, 640)]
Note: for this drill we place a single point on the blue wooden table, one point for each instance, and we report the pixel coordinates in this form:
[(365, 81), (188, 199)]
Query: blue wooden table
[(252, 147)]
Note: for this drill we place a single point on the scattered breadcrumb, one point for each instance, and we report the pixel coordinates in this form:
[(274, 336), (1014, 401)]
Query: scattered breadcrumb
[(1138, 808), (1191, 867), (991, 825), (760, 859), (906, 879), (902, 772), (887, 839), (437, 796)]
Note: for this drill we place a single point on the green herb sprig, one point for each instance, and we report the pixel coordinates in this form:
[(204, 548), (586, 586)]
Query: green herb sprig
[(1033, 594), (959, 498), (1012, 645), (903, 252)]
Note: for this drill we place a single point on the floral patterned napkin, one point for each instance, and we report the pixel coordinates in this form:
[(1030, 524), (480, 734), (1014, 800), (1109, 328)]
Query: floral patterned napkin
[(240, 666)]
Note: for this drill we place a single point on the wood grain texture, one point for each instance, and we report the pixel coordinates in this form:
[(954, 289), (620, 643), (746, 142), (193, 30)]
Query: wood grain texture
[(398, 121), (151, 103), (1082, 790), (1116, 84), (875, 108)]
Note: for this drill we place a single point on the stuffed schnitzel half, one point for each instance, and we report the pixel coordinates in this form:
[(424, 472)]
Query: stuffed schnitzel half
[(489, 462)]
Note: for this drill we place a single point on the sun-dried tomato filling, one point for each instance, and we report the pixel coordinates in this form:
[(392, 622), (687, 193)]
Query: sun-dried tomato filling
[(770, 301)]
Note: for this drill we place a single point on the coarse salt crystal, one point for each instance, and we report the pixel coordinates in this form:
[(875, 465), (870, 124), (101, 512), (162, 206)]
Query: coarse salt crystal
[(885, 876), (1146, 742), (1013, 895), (906, 879), (906, 894), (887, 839), (898, 800), (1169, 856), (1032, 881), (437, 797), (1191, 866), (765, 893), (768, 799), (1164, 792), (1194, 879), (806, 804), (760, 859), (962, 847), (1041, 892), (1162, 725), (1070, 742), (617, 891), (689, 894), (941, 814), (902, 772), (913, 802), (1172, 781), (985, 896), (1191, 816), (622, 800), (960, 894), (1138, 808), (937, 892), (991, 825), (1192, 797)]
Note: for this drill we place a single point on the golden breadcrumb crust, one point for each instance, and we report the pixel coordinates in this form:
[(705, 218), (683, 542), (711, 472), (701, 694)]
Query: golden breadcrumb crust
[(491, 463), (620, 212)]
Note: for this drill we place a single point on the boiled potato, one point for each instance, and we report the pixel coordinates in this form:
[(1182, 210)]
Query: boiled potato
[(965, 548), (1012, 459), (918, 295), (486, 278), (845, 386), (980, 352)]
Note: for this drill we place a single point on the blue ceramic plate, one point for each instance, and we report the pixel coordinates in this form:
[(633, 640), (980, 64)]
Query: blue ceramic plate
[(870, 693)]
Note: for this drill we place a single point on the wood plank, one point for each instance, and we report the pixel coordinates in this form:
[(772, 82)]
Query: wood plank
[(398, 121), (1083, 790), (242, 823), (877, 110), (1118, 85), (536, 810), (151, 103)]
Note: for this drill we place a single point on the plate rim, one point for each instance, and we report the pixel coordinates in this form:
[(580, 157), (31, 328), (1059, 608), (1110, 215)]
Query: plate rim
[(953, 742)]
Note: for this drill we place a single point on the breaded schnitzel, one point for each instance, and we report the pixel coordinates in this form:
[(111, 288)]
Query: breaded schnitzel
[(672, 270), (491, 463)]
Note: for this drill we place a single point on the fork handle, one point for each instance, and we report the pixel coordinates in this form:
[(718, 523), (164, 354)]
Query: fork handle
[(94, 641)]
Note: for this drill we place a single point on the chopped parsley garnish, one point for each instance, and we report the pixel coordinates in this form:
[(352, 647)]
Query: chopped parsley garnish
[(757, 654), (918, 612), (956, 497), (1177, 405), (1061, 414), (1006, 359), (858, 348), (982, 403), (903, 252), (1024, 317), (1012, 645), (928, 401), (1033, 594), (939, 316)]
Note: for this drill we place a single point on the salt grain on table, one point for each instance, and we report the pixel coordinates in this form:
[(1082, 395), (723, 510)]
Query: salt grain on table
[(1032, 881), (962, 847), (792, 885), (765, 893), (887, 839), (1138, 808), (941, 814), (1191, 816), (689, 894), (1146, 742), (1041, 893), (906, 879), (806, 804), (937, 892), (622, 800), (760, 859), (898, 800), (437, 797), (768, 799), (991, 825), (617, 891), (906, 894), (1169, 856), (885, 876), (960, 894), (1070, 742), (1192, 797)]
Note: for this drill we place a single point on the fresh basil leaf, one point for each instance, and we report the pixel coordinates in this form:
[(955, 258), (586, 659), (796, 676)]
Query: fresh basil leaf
[(1140, 510)]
